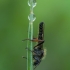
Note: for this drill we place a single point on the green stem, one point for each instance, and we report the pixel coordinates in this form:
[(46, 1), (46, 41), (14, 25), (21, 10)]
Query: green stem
[(29, 45), (32, 4), (30, 36)]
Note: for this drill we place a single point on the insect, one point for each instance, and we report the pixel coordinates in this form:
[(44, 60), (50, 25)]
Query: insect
[(38, 51)]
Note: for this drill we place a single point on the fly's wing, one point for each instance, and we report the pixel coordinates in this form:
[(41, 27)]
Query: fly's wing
[(41, 33), (40, 36)]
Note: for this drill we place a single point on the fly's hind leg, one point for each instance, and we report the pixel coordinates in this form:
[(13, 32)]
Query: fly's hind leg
[(36, 66)]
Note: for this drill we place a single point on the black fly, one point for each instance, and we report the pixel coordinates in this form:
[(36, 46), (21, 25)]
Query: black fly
[(38, 50)]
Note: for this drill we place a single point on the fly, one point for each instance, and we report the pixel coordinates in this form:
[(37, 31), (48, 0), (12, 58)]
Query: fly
[(38, 50)]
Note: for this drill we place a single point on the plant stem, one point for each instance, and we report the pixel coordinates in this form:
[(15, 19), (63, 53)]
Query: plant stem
[(30, 36), (29, 45), (32, 4)]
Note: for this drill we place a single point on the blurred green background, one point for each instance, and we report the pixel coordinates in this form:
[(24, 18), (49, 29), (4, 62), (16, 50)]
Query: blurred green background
[(14, 26)]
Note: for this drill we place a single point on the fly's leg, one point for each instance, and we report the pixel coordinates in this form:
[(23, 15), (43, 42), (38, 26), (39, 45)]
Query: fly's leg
[(29, 39), (24, 57), (31, 51), (26, 39), (28, 49), (33, 40), (39, 44), (37, 65)]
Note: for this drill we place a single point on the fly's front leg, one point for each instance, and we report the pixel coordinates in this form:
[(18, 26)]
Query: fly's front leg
[(29, 40), (26, 39), (33, 40)]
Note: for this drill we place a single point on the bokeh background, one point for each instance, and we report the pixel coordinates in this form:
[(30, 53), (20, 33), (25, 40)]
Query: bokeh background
[(14, 26)]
